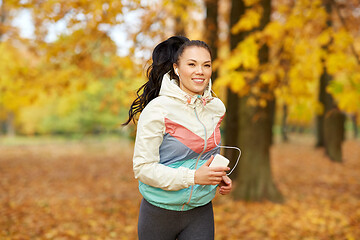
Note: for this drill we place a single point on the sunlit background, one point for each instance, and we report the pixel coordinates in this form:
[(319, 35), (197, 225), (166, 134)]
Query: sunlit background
[(288, 72)]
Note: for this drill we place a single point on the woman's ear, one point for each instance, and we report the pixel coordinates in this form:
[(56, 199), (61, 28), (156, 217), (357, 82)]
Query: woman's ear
[(176, 70)]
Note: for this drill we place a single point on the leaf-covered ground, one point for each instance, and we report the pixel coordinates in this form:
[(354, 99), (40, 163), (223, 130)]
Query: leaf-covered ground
[(87, 191)]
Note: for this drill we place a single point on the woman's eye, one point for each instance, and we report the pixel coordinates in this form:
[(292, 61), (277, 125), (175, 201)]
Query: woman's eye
[(207, 65), (191, 64)]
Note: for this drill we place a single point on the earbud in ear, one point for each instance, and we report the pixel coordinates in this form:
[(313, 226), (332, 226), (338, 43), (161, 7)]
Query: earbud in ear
[(177, 71)]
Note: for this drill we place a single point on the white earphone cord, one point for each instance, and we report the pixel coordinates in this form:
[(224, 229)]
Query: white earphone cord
[(238, 158)]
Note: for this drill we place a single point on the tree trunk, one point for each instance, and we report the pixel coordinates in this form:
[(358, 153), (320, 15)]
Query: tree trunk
[(10, 128), (179, 27), (231, 129), (354, 123), (179, 24), (254, 182), (272, 105), (333, 131), (334, 120), (211, 29), (284, 127), (232, 105), (254, 178), (3, 16), (2, 21), (334, 134), (2, 127), (320, 118)]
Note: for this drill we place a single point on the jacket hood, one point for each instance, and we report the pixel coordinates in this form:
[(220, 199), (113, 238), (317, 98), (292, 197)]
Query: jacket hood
[(170, 88)]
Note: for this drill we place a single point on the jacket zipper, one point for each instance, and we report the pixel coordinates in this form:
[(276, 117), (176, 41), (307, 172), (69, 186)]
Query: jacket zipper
[(197, 160)]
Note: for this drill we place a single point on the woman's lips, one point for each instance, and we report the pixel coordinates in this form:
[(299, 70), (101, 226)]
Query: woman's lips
[(198, 80)]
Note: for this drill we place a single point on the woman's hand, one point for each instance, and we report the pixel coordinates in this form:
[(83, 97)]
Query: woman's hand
[(206, 175), (225, 186)]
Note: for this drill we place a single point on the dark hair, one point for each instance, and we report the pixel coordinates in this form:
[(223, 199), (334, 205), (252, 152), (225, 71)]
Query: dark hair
[(165, 54)]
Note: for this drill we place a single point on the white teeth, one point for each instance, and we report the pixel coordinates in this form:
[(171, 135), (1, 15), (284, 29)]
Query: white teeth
[(198, 80)]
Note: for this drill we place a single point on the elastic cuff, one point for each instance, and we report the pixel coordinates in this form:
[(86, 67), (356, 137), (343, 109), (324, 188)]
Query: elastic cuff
[(190, 177)]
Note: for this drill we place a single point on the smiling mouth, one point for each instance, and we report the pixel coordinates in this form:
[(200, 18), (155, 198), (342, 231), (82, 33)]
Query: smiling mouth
[(198, 80)]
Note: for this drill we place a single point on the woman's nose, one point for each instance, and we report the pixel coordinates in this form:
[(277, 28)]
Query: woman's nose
[(199, 70)]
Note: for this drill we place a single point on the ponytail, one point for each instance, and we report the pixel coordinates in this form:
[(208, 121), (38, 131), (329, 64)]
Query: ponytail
[(163, 57)]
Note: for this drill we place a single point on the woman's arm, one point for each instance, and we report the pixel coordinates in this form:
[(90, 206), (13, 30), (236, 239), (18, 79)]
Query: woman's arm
[(146, 160)]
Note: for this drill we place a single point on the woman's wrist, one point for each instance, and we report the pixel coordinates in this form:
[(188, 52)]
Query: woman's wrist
[(190, 177)]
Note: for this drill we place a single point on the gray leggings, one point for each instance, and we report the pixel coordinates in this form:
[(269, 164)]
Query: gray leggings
[(161, 224)]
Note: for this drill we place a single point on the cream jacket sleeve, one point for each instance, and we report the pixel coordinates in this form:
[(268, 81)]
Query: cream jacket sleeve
[(146, 160)]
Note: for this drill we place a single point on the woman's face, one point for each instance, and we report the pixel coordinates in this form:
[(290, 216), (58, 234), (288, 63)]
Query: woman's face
[(194, 70)]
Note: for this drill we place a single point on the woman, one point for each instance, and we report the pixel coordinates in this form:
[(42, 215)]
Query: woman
[(177, 136)]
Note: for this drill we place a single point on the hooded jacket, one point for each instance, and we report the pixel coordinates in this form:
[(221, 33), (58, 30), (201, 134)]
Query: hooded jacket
[(175, 136)]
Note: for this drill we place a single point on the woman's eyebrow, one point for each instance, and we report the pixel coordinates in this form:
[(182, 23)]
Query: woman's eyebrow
[(209, 61)]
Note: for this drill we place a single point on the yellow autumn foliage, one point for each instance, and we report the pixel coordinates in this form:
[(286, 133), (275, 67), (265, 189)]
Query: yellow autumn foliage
[(16, 78), (339, 61), (85, 54), (247, 52), (273, 32), (345, 88), (324, 37), (342, 40), (296, 38), (235, 80), (37, 73), (250, 20), (249, 3), (344, 68), (267, 77)]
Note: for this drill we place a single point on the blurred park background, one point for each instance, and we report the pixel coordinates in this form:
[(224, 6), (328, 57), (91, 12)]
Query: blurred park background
[(287, 70)]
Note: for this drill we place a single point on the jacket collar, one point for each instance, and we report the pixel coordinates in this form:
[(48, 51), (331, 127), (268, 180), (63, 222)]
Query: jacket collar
[(170, 88)]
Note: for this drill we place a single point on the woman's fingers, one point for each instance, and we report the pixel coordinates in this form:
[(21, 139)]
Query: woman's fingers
[(216, 181), (206, 175), (225, 186), (208, 162)]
